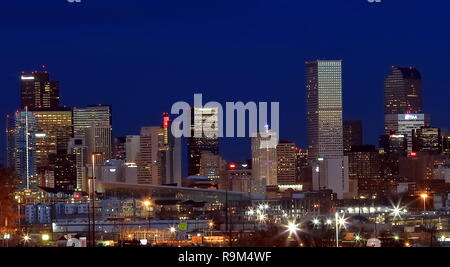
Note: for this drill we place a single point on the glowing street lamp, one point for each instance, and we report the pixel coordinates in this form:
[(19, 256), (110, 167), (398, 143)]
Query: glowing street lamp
[(45, 237), (172, 229), (340, 222), (292, 228), (424, 196), (26, 238), (316, 222), (262, 217), (147, 203)]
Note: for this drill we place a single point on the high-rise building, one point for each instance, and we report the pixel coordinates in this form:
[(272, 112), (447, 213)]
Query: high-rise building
[(353, 134), (404, 124), (65, 171), (364, 170), (325, 133), (149, 171), (98, 143), (238, 177), (77, 147), (204, 136), (94, 115), (264, 157), (23, 141), (119, 151), (394, 147), (427, 140), (212, 166), (169, 154), (54, 131), (37, 91), (286, 163), (132, 148), (403, 91), (324, 108)]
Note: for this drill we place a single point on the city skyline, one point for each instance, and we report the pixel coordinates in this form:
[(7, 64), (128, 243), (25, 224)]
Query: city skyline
[(281, 57), (224, 124)]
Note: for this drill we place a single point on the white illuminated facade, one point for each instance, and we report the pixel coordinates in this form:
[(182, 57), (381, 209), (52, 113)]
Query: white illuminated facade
[(325, 126), (264, 157), (404, 124)]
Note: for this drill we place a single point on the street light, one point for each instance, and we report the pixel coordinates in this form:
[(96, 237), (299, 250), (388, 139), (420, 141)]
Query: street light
[(316, 222), (147, 204), (340, 221), (92, 194), (292, 228), (424, 197), (45, 237)]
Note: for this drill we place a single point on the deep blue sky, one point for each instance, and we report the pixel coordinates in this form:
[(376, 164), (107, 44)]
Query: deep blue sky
[(142, 56)]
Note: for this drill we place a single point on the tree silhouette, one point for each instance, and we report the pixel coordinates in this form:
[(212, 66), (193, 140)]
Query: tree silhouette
[(8, 213)]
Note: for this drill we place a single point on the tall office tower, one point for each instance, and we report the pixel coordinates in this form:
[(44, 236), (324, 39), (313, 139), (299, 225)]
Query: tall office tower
[(94, 115), (304, 170), (403, 91), (365, 171), (204, 136), (427, 140), (169, 154), (132, 148), (395, 147), (404, 124), (98, 143), (65, 171), (212, 166), (119, 151), (24, 142), (264, 157), (149, 171), (353, 134), (37, 91), (325, 133), (77, 147), (324, 108), (10, 143), (54, 132), (286, 163)]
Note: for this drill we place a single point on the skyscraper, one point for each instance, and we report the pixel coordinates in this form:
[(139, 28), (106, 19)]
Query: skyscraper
[(264, 157), (54, 131), (77, 147), (132, 148), (403, 91), (37, 91), (98, 140), (353, 134), (149, 171), (324, 108), (94, 115), (203, 138), (365, 170), (286, 163), (169, 154), (212, 166), (325, 133), (23, 139), (427, 140)]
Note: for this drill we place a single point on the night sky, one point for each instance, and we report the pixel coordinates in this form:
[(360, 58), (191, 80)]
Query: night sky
[(142, 56)]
